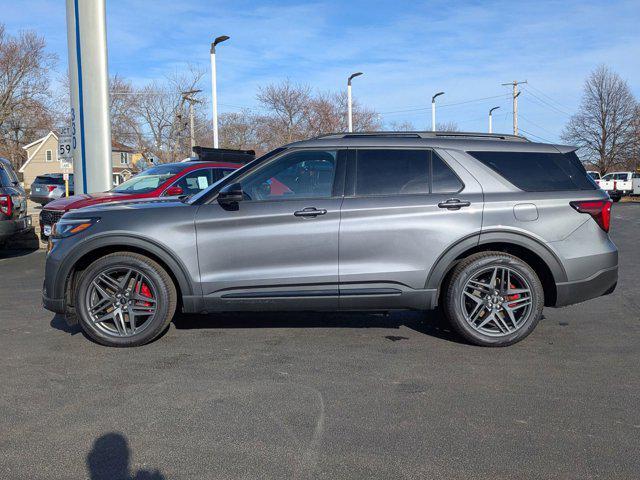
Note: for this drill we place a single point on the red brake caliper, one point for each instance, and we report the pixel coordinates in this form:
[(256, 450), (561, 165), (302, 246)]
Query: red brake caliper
[(145, 292), (513, 297)]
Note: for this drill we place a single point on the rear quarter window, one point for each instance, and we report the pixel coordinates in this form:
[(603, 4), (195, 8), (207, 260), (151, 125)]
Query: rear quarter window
[(537, 171)]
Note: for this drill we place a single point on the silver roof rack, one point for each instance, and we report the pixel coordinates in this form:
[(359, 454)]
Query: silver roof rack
[(460, 135)]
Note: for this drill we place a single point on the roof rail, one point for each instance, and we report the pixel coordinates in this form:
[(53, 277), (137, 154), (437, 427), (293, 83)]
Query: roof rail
[(461, 135)]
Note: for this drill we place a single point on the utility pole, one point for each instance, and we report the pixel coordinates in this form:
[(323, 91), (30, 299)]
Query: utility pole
[(214, 94), (187, 97), (516, 94), (491, 119)]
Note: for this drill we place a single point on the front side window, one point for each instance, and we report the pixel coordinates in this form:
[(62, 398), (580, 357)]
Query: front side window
[(392, 172), (302, 174)]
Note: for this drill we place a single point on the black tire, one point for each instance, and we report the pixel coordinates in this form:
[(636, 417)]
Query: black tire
[(161, 283), (466, 270)]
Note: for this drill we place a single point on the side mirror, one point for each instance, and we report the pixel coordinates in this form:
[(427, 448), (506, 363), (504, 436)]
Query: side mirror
[(230, 194), (173, 191)]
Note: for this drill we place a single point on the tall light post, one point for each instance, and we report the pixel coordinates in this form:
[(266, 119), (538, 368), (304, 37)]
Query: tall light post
[(433, 110), (214, 95), (349, 108), (491, 119)]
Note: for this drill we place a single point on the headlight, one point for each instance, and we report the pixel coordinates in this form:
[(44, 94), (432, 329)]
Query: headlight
[(68, 227)]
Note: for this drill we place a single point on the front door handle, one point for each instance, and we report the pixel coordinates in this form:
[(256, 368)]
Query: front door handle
[(454, 204), (310, 212)]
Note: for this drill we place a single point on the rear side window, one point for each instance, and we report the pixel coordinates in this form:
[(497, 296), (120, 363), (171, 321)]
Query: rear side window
[(539, 172), (443, 178), (392, 172), (403, 172)]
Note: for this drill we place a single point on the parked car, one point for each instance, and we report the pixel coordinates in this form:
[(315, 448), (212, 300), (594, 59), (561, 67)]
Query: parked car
[(489, 227), (594, 175), (50, 187), (13, 203), (618, 184), (167, 180)]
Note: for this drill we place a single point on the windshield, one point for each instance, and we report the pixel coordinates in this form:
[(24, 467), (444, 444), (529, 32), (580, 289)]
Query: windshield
[(149, 180)]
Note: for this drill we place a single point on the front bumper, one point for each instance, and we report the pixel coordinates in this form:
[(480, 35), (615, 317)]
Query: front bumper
[(55, 305), (601, 283)]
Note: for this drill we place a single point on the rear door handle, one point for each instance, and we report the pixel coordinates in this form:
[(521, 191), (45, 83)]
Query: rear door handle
[(454, 204), (310, 212)]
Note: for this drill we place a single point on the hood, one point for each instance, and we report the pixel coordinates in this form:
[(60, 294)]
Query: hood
[(86, 200), (137, 204)]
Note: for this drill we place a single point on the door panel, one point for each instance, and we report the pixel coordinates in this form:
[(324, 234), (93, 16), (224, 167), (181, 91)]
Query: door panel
[(392, 241), (277, 252)]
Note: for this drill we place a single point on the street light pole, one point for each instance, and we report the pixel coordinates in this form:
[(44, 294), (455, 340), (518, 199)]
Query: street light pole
[(433, 110), (491, 119), (349, 108), (214, 94)]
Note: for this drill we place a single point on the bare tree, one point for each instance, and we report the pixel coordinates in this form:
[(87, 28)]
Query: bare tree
[(287, 104), (25, 107), (447, 127), (162, 116), (603, 126), (404, 126)]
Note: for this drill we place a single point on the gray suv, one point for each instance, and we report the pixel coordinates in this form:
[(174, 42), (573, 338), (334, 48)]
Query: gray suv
[(491, 228)]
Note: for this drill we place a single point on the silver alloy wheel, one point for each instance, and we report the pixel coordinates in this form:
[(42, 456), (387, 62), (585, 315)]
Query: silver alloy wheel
[(121, 301), (496, 301)]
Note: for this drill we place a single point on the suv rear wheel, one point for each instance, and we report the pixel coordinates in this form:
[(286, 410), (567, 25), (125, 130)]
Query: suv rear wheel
[(125, 299), (493, 299)]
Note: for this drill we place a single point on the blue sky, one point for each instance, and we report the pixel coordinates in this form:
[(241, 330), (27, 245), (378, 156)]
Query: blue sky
[(407, 50)]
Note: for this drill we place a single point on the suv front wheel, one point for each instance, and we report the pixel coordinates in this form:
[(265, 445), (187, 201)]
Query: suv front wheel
[(125, 299), (493, 299)]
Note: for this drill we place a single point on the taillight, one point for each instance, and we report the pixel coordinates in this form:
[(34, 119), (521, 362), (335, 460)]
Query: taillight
[(51, 188), (6, 206), (600, 210)]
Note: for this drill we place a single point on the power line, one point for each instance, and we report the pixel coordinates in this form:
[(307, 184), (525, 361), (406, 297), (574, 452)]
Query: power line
[(443, 105), (544, 103), (564, 107), (535, 136)]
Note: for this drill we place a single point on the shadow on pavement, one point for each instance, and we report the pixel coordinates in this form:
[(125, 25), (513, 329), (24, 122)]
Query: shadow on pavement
[(428, 323), (59, 323), (109, 460)]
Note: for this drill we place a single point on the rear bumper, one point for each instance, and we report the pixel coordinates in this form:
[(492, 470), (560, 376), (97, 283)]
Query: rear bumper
[(42, 200), (8, 228), (601, 283)]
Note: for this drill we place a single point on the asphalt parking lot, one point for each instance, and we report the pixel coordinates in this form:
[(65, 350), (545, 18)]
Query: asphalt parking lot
[(328, 396)]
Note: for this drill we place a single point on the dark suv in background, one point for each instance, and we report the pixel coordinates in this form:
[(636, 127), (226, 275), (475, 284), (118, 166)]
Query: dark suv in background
[(50, 187), (13, 203), (492, 228)]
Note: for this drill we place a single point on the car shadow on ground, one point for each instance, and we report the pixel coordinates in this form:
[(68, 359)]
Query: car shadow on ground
[(428, 323), (109, 459)]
